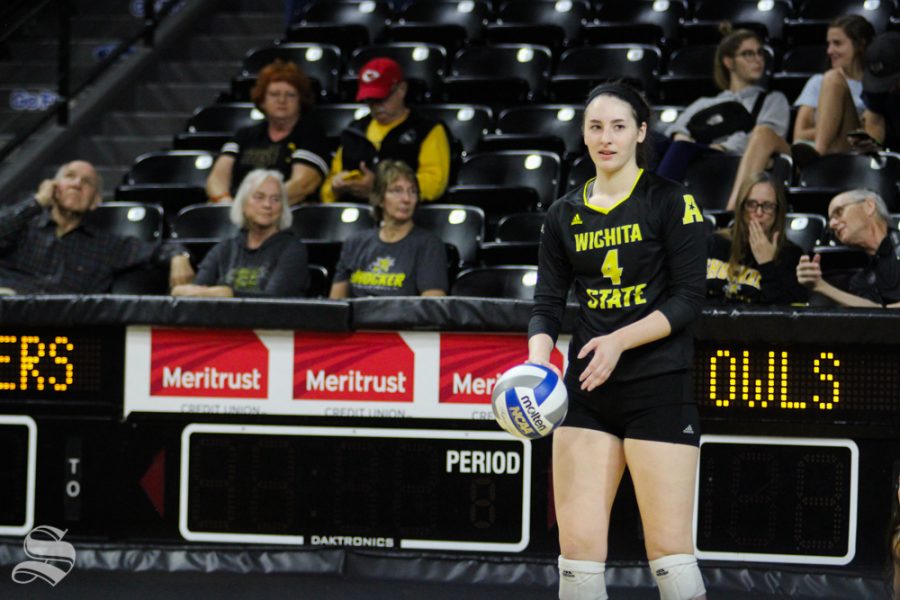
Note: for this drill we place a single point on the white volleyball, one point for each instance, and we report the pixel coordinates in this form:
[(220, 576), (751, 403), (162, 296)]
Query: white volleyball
[(529, 401)]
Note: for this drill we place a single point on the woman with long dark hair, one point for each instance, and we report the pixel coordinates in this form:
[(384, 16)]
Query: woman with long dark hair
[(633, 243)]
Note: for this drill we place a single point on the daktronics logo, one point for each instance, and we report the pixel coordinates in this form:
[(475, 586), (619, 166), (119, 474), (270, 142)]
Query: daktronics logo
[(208, 364), (355, 366), (472, 363)]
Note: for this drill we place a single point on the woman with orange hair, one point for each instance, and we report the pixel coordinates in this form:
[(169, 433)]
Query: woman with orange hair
[(284, 141)]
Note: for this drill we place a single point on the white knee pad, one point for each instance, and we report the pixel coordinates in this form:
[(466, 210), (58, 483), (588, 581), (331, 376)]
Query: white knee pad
[(678, 577), (581, 580)]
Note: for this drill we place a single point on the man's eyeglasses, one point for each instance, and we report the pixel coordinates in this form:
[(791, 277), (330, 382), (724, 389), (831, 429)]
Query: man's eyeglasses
[(751, 54), (755, 205), (838, 211)]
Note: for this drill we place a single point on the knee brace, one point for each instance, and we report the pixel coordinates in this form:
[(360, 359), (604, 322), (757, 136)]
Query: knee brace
[(678, 577), (581, 580)]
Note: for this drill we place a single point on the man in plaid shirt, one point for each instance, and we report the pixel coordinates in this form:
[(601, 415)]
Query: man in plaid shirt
[(46, 249)]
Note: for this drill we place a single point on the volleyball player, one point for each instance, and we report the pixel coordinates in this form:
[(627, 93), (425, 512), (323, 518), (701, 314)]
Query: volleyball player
[(634, 245)]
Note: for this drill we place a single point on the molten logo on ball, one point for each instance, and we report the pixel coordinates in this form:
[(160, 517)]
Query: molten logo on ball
[(529, 401)]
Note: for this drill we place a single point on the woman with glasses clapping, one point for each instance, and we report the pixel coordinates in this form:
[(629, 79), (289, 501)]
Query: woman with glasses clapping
[(751, 261)]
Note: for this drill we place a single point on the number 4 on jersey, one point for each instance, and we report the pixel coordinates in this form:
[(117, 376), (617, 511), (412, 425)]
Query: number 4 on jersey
[(611, 267)]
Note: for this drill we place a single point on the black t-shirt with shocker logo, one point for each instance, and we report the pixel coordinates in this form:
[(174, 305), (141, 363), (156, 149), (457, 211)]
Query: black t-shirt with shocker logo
[(645, 253), (252, 148)]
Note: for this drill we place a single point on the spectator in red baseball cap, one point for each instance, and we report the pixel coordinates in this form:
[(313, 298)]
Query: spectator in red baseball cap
[(391, 130)]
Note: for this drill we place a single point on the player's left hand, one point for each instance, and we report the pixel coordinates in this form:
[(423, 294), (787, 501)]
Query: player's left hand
[(606, 351), (761, 246)]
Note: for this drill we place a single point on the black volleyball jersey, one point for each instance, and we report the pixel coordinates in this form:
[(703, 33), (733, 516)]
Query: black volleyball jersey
[(645, 253)]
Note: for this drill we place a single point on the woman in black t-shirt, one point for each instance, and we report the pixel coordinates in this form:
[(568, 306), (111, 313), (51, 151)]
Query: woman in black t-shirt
[(752, 261), (633, 243)]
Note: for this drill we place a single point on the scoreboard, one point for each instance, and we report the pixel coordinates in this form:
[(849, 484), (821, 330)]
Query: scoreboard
[(789, 429)]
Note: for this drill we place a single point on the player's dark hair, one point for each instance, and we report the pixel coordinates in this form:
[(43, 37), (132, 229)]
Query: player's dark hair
[(640, 108)]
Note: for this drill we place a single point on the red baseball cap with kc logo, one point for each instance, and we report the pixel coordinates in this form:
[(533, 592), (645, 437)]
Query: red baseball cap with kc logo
[(377, 79)]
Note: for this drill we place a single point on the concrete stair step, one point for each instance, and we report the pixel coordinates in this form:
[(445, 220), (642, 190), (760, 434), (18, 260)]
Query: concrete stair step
[(119, 149), (220, 48), (106, 25), (88, 51), (266, 6), (198, 71), (247, 23), (176, 97), (143, 123), (41, 73)]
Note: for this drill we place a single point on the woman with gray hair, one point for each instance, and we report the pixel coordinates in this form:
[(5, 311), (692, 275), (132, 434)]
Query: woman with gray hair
[(264, 258)]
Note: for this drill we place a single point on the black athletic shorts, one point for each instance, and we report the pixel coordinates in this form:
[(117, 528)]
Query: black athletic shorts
[(660, 408)]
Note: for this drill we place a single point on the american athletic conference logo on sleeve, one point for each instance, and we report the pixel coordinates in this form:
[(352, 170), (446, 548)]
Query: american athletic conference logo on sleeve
[(53, 558)]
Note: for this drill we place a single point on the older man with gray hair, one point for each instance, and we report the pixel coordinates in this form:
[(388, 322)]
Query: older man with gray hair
[(860, 219), (45, 248)]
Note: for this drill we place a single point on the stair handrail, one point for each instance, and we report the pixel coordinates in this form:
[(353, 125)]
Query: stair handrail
[(60, 108)]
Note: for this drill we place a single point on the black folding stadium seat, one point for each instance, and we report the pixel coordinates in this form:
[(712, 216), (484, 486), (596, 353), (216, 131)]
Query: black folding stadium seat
[(319, 281), (334, 118), (663, 115), (498, 75), (211, 126), (797, 65), (581, 170), (813, 16), (348, 24), (172, 179), (517, 239), (450, 23), (894, 221), (423, 68), (513, 282), (766, 18), (467, 123), (320, 62), (834, 173), (580, 69), (458, 225), (546, 22), (331, 222), (505, 182), (807, 230), (204, 222), (128, 219), (710, 177), (552, 127), (637, 22)]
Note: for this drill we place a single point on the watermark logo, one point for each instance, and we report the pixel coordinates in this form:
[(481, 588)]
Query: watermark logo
[(53, 558)]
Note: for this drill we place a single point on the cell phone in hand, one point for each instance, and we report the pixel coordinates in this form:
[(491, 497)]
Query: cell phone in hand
[(860, 135)]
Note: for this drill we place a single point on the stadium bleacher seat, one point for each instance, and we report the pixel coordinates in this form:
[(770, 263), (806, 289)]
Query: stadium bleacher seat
[(331, 222), (810, 22), (204, 222), (834, 173), (766, 18), (552, 127), (580, 69), (172, 179), (318, 281), (348, 23), (517, 239), (211, 126), (498, 75), (712, 192), (807, 230), (507, 281), (467, 122), (334, 118), (545, 22), (128, 219), (507, 181), (450, 23), (637, 22), (456, 224)]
